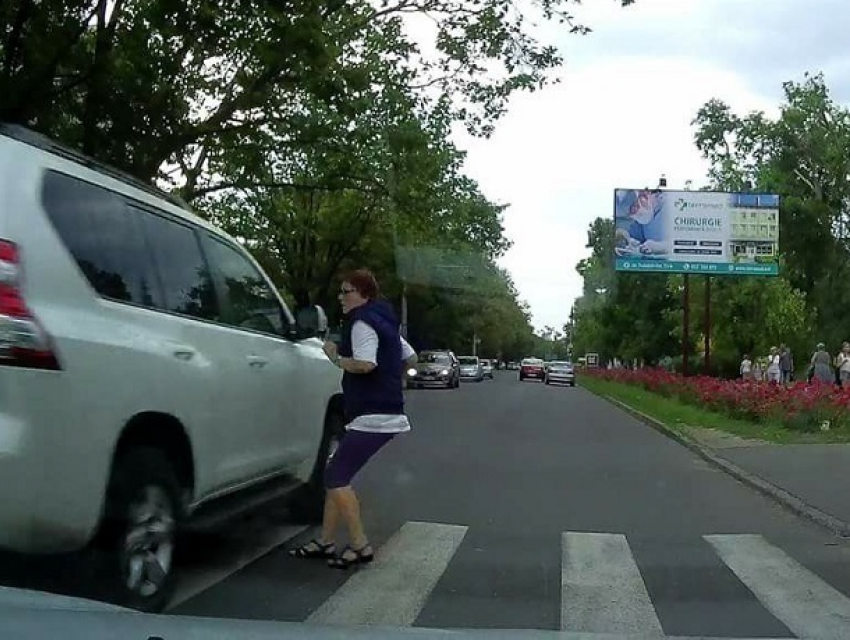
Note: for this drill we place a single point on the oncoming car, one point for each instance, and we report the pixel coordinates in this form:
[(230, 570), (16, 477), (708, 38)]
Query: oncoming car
[(435, 369), (470, 368)]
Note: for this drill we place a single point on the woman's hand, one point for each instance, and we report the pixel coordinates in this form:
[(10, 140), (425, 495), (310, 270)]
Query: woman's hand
[(331, 350)]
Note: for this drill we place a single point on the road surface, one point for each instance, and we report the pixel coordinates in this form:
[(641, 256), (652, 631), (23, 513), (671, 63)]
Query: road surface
[(520, 506)]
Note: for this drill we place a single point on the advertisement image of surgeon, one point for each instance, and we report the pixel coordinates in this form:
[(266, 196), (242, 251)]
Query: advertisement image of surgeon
[(646, 228)]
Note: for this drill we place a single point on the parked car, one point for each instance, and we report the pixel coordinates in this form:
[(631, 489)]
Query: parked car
[(487, 368), (435, 369), (531, 368), (561, 373), (151, 376), (470, 368)]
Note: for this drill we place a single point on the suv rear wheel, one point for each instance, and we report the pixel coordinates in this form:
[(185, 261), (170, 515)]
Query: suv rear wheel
[(133, 555)]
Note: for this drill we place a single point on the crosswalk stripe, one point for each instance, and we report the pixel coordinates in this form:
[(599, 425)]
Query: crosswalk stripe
[(806, 604), (393, 589), (602, 590)]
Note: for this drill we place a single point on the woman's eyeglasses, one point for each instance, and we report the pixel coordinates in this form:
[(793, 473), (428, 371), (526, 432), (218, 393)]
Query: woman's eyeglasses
[(344, 292)]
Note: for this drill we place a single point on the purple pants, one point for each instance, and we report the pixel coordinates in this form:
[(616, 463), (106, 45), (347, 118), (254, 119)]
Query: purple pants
[(354, 451)]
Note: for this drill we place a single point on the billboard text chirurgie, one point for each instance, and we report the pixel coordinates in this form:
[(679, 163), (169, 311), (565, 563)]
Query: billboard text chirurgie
[(696, 232)]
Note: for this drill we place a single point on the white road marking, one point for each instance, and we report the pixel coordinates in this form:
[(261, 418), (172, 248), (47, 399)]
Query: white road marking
[(602, 590), (195, 580), (392, 590), (806, 604)]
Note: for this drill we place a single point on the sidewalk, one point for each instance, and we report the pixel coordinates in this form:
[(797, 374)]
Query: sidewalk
[(817, 474), (811, 479)]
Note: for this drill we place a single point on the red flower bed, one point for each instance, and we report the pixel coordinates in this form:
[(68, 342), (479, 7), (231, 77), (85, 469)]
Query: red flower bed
[(800, 406)]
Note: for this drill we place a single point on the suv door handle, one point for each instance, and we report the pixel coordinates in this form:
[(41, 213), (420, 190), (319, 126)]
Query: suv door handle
[(183, 353), (257, 361)]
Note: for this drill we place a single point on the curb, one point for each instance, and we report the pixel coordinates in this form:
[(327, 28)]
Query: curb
[(776, 493)]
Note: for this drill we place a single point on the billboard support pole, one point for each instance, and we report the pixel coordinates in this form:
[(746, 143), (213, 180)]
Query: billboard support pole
[(686, 318), (707, 358)]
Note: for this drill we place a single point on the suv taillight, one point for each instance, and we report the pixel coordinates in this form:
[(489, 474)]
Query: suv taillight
[(23, 342)]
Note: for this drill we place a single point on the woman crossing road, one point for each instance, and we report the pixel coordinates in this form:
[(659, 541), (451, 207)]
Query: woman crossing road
[(373, 357)]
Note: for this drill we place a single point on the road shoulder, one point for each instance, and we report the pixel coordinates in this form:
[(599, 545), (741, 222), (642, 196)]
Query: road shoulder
[(722, 450)]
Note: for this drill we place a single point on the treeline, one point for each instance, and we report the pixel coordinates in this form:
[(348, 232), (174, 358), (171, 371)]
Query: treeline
[(315, 131)]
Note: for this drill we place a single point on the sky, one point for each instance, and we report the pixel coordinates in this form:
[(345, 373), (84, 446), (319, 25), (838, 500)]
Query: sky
[(621, 116)]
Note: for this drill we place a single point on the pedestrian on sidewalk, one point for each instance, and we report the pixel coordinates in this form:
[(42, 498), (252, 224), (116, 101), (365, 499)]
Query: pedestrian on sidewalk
[(842, 363), (821, 369), (747, 368), (786, 364), (774, 372), (373, 357), (758, 371)]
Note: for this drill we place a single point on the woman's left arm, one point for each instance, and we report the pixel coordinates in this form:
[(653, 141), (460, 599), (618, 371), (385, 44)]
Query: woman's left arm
[(355, 366), (351, 365)]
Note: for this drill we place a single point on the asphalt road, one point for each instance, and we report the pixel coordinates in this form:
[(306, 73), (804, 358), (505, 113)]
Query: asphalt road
[(520, 506)]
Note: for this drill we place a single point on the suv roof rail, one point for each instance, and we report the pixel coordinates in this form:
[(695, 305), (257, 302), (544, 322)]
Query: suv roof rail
[(45, 143)]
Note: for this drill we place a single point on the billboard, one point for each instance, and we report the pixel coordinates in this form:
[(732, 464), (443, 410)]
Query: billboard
[(708, 232)]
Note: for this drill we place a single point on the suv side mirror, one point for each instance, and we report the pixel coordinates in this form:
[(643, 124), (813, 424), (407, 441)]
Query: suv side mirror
[(311, 322)]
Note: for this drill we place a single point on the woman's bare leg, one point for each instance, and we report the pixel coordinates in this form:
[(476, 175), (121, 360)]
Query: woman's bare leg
[(330, 519), (347, 506)]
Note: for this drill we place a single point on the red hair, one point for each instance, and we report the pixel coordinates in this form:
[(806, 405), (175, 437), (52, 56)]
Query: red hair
[(364, 281)]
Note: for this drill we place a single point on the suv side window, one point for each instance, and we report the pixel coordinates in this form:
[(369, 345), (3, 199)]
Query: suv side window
[(187, 287), (248, 300), (98, 231)]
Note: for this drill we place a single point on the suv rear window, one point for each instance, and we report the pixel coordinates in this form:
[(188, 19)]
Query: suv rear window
[(187, 286), (101, 235)]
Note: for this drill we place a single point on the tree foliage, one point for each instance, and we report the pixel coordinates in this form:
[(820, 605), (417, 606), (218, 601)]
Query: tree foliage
[(315, 131)]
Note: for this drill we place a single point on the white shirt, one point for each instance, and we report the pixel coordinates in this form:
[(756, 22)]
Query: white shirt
[(364, 347), (364, 344)]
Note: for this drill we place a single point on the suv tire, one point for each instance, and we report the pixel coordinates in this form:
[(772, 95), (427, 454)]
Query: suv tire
[(133, 554)]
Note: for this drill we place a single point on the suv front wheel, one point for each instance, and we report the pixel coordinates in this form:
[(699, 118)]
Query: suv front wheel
[(133, 555), (308, 503)]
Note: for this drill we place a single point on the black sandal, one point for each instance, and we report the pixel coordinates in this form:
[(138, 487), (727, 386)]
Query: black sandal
[(341, 561), (314, 549)]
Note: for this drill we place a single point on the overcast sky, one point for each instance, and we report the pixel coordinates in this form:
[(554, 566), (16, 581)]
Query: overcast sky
[(621, 117)]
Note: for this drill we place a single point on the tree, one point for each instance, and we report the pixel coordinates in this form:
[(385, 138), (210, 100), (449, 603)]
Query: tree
[(803, 156), (202, 75), (316, 132)]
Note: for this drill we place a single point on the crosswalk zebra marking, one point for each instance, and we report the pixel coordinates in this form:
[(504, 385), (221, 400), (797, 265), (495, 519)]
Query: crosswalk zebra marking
[(602, 590), (393, 589), (805, 603)]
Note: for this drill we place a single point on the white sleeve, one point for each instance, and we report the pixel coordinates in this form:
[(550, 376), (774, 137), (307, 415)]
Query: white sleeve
[(406, 350), (364, 343)]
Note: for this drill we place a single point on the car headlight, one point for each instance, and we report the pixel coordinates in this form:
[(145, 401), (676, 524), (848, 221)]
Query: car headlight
[(411, 372), (444, 372)]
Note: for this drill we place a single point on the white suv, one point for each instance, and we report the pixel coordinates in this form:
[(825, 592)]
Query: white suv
[(150, 373)]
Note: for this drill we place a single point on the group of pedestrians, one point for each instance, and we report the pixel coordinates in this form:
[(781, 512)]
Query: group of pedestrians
[(825, 368), (778, 366)]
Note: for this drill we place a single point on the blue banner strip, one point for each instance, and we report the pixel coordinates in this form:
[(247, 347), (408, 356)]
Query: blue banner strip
[(711, 268)]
